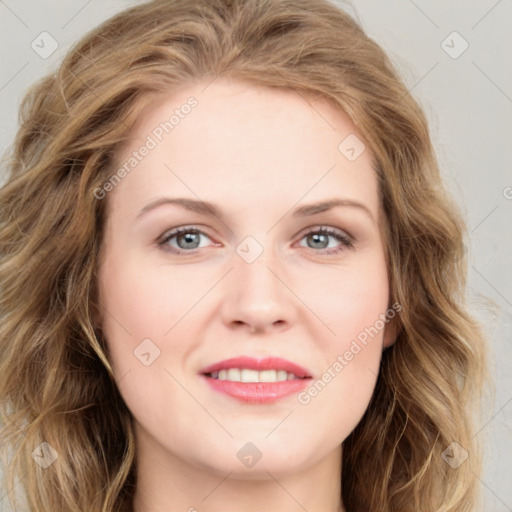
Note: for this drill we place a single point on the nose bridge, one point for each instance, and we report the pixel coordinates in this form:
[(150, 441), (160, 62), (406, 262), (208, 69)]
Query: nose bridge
[(256, 293), (257, 273), (256, 268)]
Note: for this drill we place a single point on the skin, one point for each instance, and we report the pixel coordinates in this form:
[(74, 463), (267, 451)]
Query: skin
[(257, 153)]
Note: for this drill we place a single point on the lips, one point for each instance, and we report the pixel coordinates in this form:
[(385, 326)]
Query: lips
[(259, 365), (239, 378)]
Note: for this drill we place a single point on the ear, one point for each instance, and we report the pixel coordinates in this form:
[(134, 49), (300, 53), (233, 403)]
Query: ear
[(97, 316), (391, 331)]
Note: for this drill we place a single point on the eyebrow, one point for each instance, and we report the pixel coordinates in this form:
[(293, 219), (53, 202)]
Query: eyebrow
[(207, 208)]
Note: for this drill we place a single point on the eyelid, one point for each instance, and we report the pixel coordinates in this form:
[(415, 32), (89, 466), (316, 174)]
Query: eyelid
[(346, 240), (325, 227), (171, 233)]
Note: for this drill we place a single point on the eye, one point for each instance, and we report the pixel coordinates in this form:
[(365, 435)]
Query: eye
[(187, 239), (319, 238)]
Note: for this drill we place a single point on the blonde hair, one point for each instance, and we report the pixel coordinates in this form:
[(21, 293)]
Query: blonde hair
[(56, 383)]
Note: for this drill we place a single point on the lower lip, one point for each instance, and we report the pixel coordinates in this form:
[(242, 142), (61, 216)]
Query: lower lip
[(258, 392)]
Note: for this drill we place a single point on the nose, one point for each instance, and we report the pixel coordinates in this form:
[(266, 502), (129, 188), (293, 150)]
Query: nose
[(257, 297)]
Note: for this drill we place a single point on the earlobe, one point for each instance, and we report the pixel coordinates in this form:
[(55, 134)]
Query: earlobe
[(391, 332), (393, 325), (96, 316)]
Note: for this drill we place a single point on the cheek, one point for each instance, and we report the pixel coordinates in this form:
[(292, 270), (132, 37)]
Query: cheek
[(133, 312), (143, 300), (354, 307), (139, 307), (351, 299), (338, 397), (150, 324)]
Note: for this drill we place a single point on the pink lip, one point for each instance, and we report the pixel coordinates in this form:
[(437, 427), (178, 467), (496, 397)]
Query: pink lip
[(268, 363), (258, 392)]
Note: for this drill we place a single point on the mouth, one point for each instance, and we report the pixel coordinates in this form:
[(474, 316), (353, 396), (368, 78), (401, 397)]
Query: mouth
[(247, 375), (256, 380)]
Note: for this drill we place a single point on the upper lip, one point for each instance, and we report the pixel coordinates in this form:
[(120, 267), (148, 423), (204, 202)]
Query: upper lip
[(251, 363)]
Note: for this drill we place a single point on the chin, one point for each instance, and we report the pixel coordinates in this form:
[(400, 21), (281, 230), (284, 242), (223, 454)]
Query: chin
[(255, 460)]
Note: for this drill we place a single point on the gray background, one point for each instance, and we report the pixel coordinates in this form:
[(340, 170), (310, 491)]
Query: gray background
[(468, 101)]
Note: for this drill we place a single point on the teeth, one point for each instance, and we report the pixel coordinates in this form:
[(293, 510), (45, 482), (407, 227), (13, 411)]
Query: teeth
[(283, 375), (233, 374), (249, 376), (268, 376), (246, 375)]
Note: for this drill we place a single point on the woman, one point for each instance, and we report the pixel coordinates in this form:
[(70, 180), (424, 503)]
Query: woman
[(310, 350)]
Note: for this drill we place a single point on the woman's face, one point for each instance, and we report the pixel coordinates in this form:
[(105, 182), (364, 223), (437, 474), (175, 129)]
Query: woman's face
[(255, 279)]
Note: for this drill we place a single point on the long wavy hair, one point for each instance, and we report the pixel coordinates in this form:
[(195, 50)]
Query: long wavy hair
[(56, 382)]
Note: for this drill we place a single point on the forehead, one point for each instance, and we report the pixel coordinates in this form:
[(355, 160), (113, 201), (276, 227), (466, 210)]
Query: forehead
[(241, 144)]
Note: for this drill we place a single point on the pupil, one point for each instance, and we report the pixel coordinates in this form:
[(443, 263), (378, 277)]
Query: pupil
[(316, 238), (189, 238), (319, 240)]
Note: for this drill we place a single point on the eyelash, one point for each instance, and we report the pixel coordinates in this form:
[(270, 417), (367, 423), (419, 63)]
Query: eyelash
[(346, 242)]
